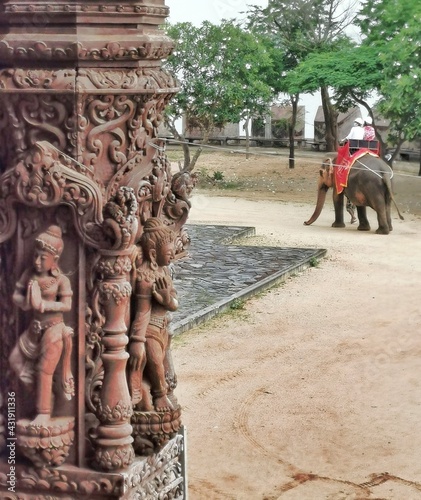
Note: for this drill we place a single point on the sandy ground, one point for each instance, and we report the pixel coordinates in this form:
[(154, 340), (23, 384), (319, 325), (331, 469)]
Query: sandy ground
[(312, 391)]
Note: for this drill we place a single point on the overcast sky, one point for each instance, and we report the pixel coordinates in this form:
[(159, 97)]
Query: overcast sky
[(195, 11)]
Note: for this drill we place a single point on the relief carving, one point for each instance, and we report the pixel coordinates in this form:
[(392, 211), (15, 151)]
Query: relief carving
[(72, 51), (156, 411), (40, 79), (81, 7), (112, 439), (139, 79), (41, 180), (44, 292), (34, 117), (80, 155)]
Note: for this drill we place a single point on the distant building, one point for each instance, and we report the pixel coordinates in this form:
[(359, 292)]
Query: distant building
[(275, 125), (345, 122), (194, 133)]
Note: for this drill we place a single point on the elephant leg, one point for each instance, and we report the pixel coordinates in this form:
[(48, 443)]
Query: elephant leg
[(384, 221), (338, 202), (364, 225), (350, 208)]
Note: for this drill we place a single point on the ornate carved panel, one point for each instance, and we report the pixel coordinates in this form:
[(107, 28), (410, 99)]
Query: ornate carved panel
[(82, 171)]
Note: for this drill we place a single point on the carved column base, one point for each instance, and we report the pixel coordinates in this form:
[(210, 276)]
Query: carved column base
[(152, 430), (111, 458), (47, 444), (159, 476)]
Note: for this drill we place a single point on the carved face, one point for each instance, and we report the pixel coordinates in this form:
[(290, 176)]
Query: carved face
[(44, 261), (165, 254)]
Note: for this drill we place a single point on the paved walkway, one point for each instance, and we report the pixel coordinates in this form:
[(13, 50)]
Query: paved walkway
[(217, 272)]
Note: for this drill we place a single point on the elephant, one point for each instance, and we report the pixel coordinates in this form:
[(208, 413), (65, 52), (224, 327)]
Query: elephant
[(369, 185)]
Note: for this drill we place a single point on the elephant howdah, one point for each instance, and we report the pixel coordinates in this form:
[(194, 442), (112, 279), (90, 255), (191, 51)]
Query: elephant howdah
[(368, 185)]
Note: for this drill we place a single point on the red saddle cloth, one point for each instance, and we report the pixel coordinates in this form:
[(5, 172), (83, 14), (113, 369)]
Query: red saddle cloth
[(345, 161)]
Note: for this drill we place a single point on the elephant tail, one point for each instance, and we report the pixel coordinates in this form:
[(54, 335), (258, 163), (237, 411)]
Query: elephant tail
[(387, 181)]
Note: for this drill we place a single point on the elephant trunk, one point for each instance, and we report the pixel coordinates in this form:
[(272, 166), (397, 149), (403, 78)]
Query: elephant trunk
[(321, 197)]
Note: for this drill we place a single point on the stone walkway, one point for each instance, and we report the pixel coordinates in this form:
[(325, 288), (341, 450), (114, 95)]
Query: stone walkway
[(217, 272)]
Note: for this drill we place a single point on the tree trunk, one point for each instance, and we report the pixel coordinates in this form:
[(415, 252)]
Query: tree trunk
[(184, 144), (331, 116), (396, 151), (291, 129), (246, 128), (419, 171), (205, 140)]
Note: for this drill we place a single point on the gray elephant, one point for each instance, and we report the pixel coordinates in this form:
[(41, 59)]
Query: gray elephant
[(368, 185)]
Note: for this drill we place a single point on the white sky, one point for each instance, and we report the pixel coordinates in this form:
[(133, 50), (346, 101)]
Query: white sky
[(196, 12)]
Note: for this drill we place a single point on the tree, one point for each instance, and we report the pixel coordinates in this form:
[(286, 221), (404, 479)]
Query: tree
[(352, 72), (304, 27), (392, 28), (221, 72)]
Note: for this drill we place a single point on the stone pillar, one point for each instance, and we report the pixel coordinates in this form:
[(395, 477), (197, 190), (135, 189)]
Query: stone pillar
[(82, 94)]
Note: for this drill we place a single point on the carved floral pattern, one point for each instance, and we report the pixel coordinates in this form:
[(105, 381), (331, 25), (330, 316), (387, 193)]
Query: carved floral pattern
[(115, 290), (139, 79), (121, 265), (112, 415), (165, 469), (158, 476), (46, 445), (82, 7), (41, 79), (113, 458), (43, 181), (152, 430), (112, 51), (53, 480)]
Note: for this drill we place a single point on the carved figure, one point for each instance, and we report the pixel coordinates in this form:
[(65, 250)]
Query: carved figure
[(149, 337), (45, 292)]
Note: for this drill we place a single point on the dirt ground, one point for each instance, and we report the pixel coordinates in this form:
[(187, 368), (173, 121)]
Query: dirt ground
[(312, 390)]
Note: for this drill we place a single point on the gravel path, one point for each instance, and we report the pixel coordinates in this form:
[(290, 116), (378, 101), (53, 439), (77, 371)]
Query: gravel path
[(312, 391)]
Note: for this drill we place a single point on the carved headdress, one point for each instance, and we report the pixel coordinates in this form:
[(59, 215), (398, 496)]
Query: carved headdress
[(51, 240), (156, 234)]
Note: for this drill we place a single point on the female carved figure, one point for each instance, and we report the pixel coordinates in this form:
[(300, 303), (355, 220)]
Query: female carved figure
[(149, 337), (45, 292)]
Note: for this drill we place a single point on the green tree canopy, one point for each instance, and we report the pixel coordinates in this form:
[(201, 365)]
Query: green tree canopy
[(392, 27), (221, 70), (303, 28)]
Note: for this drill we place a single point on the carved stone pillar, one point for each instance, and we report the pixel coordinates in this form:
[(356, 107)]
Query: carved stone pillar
[(82, 94)]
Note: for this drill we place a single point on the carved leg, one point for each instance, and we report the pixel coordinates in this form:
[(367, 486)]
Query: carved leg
[(50, 356), (155, 371)]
